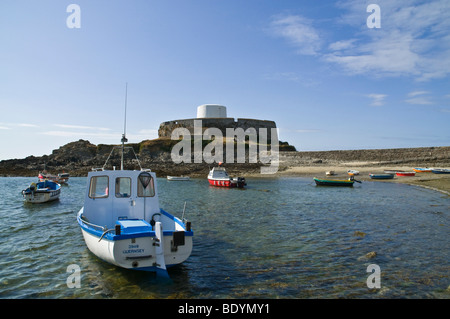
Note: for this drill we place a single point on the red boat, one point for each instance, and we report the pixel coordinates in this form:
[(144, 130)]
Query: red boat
[(61, 178), (406, 173), (218, 176)]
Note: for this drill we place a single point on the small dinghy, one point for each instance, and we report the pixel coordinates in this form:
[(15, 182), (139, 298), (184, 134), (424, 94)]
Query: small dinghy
[(405, 173), (178, 178), (441, 171), (334, 182), (42, 192), (61, 178), (422, 170)]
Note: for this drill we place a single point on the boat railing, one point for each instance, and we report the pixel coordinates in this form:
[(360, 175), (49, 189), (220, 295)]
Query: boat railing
[(102, 228)]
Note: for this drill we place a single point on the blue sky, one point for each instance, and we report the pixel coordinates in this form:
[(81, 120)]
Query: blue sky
[(315, 67)]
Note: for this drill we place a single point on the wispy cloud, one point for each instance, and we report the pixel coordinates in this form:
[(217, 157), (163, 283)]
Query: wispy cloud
[(99, 133), (9, 126), (413, 39), (342, 45), (415, 93), (377, 99), (81, 131), (82, 134), (298, 31), (417, 97), (27, 125), (70, 126)]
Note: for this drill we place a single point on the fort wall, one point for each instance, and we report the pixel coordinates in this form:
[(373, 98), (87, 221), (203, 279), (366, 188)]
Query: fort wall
[(166, 128)]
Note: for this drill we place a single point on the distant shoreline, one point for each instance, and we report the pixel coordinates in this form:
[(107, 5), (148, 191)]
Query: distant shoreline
[(79, 157)]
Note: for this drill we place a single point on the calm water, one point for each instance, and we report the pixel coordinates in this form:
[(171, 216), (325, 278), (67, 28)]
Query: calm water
[(279, 238)]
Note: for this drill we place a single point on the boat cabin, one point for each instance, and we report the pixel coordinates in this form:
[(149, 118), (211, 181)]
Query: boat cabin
[(218, 173), (120, 195)]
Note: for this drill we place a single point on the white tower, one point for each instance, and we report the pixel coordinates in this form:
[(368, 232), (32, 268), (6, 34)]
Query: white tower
[(211, 111)]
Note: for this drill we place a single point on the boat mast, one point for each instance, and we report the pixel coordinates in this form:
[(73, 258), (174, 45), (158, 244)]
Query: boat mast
[(124, 139)]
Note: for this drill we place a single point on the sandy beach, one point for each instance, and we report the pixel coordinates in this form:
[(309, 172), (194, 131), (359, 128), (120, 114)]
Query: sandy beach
[(438, 182)]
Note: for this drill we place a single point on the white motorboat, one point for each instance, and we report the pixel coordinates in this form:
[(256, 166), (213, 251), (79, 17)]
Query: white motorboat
[(122, 223), (218, 176)]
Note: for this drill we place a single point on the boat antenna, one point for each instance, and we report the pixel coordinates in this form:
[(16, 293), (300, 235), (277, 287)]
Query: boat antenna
[(124, 139)]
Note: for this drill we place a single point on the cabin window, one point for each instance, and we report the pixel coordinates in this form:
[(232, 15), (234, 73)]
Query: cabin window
[(99, 187), (146, 187), (123, 187)]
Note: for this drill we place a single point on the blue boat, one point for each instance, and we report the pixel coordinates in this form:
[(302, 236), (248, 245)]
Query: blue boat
[(441, 171), (42, 192)]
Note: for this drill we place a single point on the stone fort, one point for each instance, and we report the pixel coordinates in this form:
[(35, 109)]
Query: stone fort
[(213, 115)]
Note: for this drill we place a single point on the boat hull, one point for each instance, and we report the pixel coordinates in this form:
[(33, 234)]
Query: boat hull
[(441, 171), (178, 178), (137, 249), (42, 197), (226, 183), (406, 173), (381, 176), (330, 182), (422, 170)]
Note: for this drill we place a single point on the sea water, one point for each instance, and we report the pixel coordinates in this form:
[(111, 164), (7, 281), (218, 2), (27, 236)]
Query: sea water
[(277, 238)]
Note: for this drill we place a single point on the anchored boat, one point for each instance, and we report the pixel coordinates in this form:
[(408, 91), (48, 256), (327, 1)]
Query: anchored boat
[(441, 171), (352, 172), (422, 170), (381, 176), (42, 192), (61, 178), (123, 224), (178, 178), (218, 176), (398, 173), (334, 182)]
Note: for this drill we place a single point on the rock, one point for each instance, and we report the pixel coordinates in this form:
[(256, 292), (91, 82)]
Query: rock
[(359, 234), (371, 255), (367, 256)]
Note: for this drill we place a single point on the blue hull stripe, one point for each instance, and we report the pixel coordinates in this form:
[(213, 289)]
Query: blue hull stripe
[(112, 236)]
